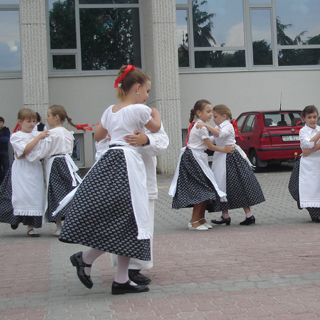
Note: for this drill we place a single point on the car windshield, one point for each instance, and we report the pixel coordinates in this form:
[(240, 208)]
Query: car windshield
[(282, 119)]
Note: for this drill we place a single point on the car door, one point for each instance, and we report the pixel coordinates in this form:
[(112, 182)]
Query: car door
[(247, 132)]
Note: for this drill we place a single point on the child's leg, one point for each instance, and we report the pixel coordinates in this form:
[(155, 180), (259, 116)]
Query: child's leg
[(59, 224), (225, 215), (31, 230), (247, 212), (122, 270), (58, 228), (250, 219), (89, 256), (198, 213)]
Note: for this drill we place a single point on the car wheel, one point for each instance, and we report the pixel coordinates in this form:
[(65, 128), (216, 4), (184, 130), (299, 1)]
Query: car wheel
[(255, 160)]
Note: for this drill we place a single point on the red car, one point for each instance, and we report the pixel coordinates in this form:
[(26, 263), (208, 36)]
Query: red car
[(270, 136)]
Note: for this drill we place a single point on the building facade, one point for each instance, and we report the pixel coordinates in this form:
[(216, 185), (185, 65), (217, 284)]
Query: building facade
[(247, 54)]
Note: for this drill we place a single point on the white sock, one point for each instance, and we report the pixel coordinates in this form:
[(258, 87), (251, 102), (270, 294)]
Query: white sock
[(89, 256), (122, 270)]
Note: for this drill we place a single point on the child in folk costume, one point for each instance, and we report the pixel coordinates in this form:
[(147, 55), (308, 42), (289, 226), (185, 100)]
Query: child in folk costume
[(61, 171), (25, 186), (194, 183), (304, 184), (109, 211), (153, 144), (233, 173)]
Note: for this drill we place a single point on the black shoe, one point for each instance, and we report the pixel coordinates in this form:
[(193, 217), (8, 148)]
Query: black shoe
[(226, 221), (14, 226), (77, 262), (122, 288), (248, 221), (138, 278), (316, 219)]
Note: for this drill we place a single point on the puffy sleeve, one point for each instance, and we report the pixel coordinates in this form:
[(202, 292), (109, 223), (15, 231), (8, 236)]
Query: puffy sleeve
[(226, 131), (104, 117), (158, 142), (203, 133), (142, 114), (305, 137), (18, 143)]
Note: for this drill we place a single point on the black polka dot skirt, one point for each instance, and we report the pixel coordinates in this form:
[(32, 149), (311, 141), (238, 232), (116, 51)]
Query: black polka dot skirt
[(60, 184), (193, 186), (294, 190), (242, 187), (101, 214), (6, 209)]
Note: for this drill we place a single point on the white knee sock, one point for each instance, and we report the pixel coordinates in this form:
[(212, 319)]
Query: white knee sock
[(89, 256), (122, 270)]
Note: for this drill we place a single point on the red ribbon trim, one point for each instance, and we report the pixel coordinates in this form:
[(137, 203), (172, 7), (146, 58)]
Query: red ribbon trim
[(236, 130), (296, 130), (128, 69), (187, 137), (17, 128)]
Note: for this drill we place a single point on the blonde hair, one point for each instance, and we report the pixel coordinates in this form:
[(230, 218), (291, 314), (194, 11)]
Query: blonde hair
[(133, 76), (199, 105), (223, 109), (27, 113), (60, 111)]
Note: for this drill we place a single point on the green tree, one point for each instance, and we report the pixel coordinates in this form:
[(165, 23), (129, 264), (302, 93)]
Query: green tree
[(109, 37)]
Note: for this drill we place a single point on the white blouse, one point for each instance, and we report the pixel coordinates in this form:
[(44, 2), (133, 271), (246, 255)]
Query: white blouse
[(125, 121), (197, 136)]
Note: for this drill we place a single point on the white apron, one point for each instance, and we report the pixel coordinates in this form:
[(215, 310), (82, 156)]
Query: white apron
[(309, 181)]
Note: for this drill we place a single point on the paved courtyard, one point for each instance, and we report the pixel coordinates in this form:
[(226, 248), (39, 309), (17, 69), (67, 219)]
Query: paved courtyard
[(267, 271)]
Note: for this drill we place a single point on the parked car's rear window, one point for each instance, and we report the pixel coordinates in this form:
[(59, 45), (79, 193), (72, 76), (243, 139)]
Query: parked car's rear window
[(281, 119)]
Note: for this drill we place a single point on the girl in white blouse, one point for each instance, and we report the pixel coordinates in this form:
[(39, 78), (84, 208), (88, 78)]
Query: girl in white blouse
[(194, 183), (26, 183), (304, 183), (233, 173), (61, 171)]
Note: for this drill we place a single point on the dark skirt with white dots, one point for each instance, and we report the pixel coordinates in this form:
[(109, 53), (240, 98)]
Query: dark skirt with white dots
[(101, 214), (193, 186), (243, 188), (60, 184), (294, 190), (6, 209)]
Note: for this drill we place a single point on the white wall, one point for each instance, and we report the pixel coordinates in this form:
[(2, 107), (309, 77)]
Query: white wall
[(11, 101), (85, 98), (243, 91)]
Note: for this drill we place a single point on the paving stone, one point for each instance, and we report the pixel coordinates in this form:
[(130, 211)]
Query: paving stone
[(266, 271)]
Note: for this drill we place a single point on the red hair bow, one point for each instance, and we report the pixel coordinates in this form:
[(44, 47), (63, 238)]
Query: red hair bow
[(235, 127), (128, 69)]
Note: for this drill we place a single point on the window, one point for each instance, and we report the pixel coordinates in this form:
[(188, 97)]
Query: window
[(249, 123), (94, 35), (10, 58), (248, 34)]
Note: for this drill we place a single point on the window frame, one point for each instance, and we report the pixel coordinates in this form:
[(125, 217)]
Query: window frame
[(247, 9), (77, 51)]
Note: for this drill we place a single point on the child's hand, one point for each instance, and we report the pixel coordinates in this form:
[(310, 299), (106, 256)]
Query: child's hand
[(306, 152), (21, 157), (229, 149), (137, 140), (199, 125), (44, 134)]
